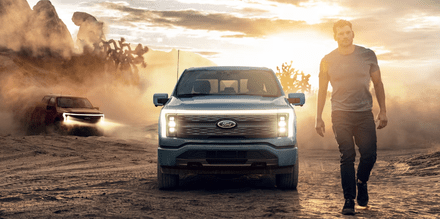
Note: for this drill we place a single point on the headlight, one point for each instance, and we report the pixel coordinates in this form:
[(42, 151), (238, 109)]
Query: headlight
[(67, 118), (171, 125), (282, 127), (169, 120)]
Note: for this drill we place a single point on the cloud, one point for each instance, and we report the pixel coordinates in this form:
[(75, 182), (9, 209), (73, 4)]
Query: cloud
[(197, 20), (403, 30), (252, 11), (393, 34), (407, 29), (207, 53), (292, 2), (393, 7)]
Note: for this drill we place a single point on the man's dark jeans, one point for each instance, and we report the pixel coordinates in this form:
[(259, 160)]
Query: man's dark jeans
[(351, 128)]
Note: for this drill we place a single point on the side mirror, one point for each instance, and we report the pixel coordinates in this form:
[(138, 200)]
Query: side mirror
[(297, 99), (160, 99)]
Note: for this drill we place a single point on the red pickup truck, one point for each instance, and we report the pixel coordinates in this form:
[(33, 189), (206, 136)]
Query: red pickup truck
[(69, 115)]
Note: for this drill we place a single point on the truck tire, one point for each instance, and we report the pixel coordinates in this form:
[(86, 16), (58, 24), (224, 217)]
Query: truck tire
[(35, 122), (59, 128), (290, 180), (166, 181)]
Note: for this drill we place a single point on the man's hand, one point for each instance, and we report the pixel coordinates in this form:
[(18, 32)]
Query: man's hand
[(320, 126), (382, 120)]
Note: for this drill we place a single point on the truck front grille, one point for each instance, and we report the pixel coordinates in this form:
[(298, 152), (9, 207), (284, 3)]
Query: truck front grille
[(86, 118), (247, 126)]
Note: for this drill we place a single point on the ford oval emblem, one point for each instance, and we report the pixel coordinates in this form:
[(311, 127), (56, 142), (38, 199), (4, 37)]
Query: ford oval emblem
[(226, 124)]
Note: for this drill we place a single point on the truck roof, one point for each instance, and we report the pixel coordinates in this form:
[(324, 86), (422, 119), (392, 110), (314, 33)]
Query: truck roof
[(225, 68)]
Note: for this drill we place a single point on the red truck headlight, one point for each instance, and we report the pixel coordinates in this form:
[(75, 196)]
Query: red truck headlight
[(67, 119)]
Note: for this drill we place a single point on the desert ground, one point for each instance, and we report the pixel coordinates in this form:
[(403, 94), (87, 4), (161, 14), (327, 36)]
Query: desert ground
[(114, 176)]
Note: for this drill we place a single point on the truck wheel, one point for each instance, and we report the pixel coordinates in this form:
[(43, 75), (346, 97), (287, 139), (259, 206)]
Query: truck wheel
[(35, 122), (290, 180), (59, 128), (166, 181)]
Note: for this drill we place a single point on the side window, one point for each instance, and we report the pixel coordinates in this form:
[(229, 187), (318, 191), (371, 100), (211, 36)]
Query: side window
[(45, 100), (243, 86), (52, 101)]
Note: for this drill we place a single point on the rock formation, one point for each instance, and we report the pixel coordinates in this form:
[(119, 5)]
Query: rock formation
[(14, 17), (48, 32), (37, 32), (90, 32)]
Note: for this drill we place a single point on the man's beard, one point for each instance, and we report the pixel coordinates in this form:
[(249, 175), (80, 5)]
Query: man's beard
[(345, 43)]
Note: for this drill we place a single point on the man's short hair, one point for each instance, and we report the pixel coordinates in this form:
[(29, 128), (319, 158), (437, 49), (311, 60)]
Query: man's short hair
[(340, 24)]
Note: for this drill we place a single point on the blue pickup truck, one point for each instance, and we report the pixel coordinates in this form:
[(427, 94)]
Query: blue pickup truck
[(228, 120)]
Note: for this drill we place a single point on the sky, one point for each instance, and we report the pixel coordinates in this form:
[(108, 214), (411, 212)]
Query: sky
[(404, 34)]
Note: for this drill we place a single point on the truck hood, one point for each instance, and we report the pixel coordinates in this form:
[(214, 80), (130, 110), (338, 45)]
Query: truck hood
[(81, 110), (243, 102)]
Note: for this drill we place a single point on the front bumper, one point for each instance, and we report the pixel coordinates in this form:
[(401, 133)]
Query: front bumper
[(227, 156)]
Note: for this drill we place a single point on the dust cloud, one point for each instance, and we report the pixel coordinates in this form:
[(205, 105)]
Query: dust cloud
[(33, 64), (25, 29), (119, 97)]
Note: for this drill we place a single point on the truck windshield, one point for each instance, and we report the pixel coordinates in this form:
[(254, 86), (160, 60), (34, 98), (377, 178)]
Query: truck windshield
[(73, 102), (230, 82)]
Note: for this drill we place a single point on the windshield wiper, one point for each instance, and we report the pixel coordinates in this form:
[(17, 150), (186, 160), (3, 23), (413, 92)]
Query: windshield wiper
[(192, 95)]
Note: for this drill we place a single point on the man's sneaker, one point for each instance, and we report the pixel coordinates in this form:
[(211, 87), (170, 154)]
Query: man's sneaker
[(362, 196), (348, 207)]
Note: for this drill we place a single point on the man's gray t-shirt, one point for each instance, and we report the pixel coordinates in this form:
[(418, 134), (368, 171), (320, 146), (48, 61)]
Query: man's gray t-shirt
[(349, 76)]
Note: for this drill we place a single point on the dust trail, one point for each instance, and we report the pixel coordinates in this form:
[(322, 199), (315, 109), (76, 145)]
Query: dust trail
[(44, 62)]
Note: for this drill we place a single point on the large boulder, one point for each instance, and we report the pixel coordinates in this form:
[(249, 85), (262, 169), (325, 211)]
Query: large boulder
[(91, 31)]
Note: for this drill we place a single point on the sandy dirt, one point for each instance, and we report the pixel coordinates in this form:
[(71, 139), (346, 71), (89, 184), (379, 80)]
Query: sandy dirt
[(53, 176)]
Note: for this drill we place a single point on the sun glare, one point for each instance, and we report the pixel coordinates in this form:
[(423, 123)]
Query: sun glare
[(304, 49), (310, 12)]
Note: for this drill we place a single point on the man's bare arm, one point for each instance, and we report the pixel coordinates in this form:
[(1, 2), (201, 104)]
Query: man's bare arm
[(322, 96), (380, 95)]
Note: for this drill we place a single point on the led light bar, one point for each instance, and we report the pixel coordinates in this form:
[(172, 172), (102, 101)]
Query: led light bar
[(67, 117), (169, 126)]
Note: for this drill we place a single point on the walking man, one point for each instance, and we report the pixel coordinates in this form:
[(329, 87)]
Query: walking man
[(349, 69)]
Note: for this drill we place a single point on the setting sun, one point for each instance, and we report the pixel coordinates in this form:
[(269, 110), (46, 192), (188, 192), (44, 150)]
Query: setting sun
[(304, 49)]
